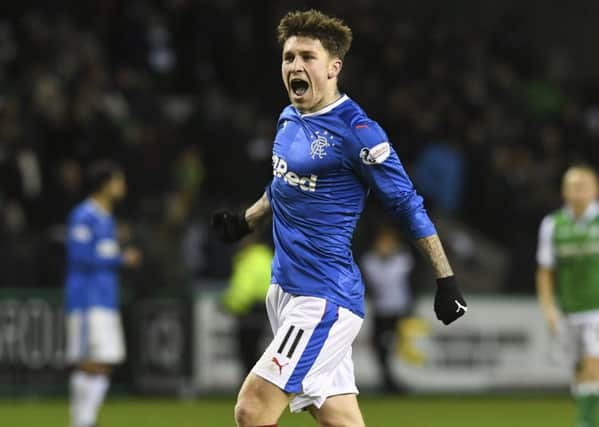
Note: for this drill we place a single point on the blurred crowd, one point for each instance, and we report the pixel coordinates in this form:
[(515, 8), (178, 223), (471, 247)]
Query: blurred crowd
[(185, 95)]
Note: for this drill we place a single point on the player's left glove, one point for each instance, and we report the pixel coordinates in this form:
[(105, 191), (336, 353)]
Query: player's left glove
[(449, 302), (230, 227)]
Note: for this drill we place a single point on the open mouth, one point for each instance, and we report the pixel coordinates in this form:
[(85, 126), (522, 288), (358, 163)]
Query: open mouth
[(298, 86)]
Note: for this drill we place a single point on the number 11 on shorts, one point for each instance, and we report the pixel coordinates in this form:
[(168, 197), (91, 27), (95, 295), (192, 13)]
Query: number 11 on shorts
[(287, 339)]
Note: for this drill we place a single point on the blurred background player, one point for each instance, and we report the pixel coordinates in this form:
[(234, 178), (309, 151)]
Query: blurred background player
[(568, 281), (95, 340), (244, 298), (327, 155), (387, 267)]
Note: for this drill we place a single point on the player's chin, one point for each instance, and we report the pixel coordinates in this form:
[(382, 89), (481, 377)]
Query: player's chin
[(298, 100)]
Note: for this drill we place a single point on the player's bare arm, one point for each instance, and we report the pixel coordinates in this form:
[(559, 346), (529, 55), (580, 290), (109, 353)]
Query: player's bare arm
[(545, 293), (433, 249), (258, 212), (449, 303)]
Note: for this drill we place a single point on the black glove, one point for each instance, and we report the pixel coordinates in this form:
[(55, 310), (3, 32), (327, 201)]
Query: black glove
[(230, 227), (449, 302)]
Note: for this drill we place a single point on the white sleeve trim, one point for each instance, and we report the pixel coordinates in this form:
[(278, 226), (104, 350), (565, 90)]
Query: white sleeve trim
[(546, 249)]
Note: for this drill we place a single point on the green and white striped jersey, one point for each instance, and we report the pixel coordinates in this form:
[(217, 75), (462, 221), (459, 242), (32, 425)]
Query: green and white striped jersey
[(571, 249)]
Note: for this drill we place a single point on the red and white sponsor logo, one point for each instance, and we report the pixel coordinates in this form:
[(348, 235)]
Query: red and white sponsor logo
[(375, 155)]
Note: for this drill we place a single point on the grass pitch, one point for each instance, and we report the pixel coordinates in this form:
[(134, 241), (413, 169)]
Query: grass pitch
[(419, 411)]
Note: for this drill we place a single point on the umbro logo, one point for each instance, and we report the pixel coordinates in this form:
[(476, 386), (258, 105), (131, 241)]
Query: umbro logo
[(460, 306)]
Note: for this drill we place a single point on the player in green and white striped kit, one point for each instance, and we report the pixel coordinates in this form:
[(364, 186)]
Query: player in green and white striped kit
[(568, 281)]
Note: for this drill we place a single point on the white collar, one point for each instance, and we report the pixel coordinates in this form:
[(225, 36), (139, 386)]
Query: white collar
[(327, 108), (590, 212)]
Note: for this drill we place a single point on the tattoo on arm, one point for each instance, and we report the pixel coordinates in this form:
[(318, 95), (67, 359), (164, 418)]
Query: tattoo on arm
[(258, 212), (433, 249)]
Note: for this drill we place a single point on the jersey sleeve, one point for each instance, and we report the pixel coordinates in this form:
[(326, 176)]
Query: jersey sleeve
[(376, 162), (86, 250), (545, 248)]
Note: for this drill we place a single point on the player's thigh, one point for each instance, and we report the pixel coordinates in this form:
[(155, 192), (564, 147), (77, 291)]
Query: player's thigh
[(588, 369), (339, 411), (260, 398), (91, 367)]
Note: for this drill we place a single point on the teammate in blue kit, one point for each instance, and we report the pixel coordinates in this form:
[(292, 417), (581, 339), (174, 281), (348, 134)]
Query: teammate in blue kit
[(327, 156), (94, 333)]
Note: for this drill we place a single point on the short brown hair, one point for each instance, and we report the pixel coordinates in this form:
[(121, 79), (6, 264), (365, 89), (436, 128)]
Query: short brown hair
[(332, 32)]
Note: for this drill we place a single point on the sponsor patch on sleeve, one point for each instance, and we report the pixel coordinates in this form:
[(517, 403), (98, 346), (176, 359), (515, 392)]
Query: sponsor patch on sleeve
[(81, 233), (107, 248), (375, 155)]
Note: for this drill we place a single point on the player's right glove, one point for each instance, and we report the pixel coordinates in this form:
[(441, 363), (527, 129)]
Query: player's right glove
[(230, 226), (449, 302)]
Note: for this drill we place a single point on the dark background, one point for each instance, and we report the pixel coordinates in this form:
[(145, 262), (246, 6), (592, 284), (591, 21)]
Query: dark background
[(485, 102)]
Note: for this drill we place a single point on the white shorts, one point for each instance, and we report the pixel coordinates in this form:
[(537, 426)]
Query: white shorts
[(95, 335), (583, 335), (310, 355)]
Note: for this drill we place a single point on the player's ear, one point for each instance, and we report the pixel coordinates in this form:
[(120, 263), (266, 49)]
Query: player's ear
[(335, 68)]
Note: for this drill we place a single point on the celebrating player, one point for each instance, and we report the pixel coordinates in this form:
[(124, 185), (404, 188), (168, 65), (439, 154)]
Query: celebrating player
[(568, 267), (94, 332), (327, 155)]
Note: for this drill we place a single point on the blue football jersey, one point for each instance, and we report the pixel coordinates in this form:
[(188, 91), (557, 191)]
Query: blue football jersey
[(324, 165), (93, 259)]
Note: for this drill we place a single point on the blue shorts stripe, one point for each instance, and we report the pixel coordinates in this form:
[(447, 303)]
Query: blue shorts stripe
[(312, 350)]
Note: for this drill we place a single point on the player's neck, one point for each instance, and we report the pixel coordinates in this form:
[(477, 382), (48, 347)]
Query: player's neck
[(332, 98), (324, 103), (103, 202), (579, 210)]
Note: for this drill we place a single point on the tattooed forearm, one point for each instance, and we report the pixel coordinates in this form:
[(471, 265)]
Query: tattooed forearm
[(433, 249), (258, 212)]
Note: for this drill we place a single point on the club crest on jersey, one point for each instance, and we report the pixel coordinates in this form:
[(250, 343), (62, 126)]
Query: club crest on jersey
[(319, 144), (375, 155), (279, 170)]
